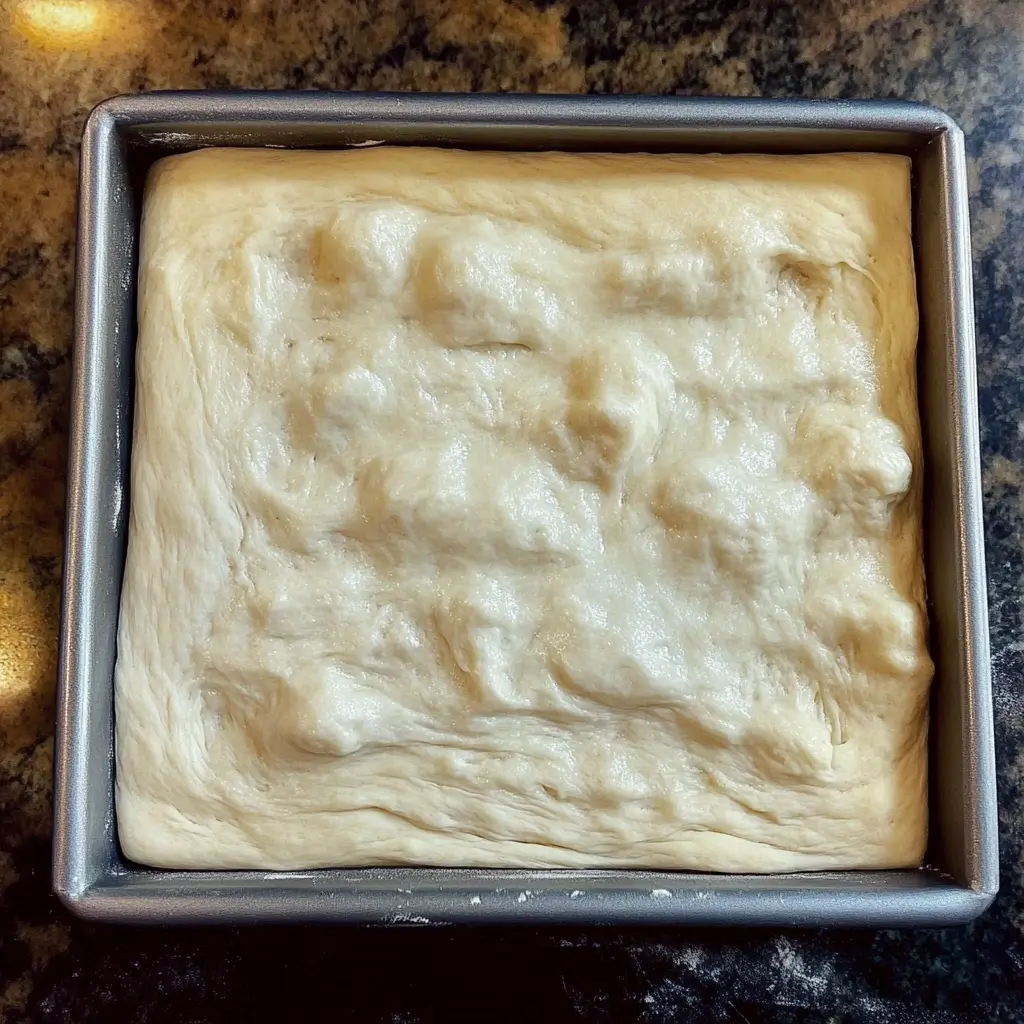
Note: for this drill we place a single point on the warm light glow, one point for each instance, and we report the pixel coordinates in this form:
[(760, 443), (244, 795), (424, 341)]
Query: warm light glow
[(61, 22)]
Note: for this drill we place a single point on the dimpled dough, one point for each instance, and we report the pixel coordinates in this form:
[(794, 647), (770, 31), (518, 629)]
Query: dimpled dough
[(524, 510)]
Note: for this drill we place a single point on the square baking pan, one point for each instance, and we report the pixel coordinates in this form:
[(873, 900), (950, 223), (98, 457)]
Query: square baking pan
[(126, 134)]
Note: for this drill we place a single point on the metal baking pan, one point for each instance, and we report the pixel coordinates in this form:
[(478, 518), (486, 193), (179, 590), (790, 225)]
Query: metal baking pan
[(122, 138)]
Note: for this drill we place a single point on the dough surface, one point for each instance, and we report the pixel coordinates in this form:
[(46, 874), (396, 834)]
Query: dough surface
[(524, 510)]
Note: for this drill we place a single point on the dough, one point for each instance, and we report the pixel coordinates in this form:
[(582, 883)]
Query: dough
[(524, 510)]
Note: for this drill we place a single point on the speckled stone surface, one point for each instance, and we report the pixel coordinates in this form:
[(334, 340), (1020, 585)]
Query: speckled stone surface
[(59, 57)]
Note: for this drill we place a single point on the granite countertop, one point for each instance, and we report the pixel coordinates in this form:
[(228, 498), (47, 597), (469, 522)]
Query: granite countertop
[(58, 58)]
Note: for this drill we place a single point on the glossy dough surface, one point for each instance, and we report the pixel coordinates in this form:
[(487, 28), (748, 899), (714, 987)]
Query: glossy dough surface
[(524, 510)]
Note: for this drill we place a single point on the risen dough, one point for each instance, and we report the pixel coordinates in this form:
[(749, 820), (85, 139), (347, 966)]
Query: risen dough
[(524, 510)]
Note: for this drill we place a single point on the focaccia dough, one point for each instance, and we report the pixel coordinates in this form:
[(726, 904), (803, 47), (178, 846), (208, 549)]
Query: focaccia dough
[(524, 510)]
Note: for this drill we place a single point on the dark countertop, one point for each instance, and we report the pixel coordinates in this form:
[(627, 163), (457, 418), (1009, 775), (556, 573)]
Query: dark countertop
[(58, 58)]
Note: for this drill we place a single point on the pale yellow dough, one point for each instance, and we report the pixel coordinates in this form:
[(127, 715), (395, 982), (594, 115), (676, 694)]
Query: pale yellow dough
[(524, 510)]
